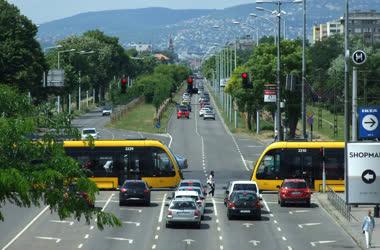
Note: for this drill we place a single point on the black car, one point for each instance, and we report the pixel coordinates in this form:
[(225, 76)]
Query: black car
[(244, 204), (134, 191)]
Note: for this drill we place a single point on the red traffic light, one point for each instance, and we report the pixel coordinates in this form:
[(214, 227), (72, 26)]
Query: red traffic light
[(244, 75), (189, 80)]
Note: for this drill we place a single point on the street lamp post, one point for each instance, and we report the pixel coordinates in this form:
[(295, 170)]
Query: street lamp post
[(80, 79), (60, 52), (251, 27), (268, 20)]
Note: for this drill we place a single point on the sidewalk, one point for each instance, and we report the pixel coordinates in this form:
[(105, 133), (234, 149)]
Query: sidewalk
[(353, 227)]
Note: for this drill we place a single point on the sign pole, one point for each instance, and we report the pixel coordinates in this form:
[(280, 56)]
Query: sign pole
[(323, 171), (354, 104)]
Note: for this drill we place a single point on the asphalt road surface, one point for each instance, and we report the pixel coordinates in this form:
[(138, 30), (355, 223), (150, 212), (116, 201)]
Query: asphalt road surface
[(208, 146)]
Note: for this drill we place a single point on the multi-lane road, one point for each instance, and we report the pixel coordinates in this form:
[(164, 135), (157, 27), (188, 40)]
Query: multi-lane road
[(208, 145)]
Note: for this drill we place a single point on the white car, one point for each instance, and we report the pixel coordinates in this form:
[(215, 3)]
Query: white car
[(209, 114), (241, 185), (186, 96), (106, 111), (193, 195), (202, 111), (87, 132)]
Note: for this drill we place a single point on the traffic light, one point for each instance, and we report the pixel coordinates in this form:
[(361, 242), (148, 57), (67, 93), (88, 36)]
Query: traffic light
[(190, 85), (245, 81), (123, 85)]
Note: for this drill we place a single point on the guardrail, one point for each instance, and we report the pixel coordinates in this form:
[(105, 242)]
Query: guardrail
[(123, 109), (339, 203)]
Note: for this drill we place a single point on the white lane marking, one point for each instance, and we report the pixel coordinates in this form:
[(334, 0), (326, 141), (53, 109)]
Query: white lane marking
[(314, 243), (158, 228), (275, 222), (218, 228), (86, 236), (266, 206), (156, 237), (255, 146), (107, 202), (247, 225), (215, 210), (188, 241), (254, 242), (308, 224), (154, 246), (221, 247), (171, 140), (290, 248), (63, 222), (279, 229), (80, 245), (283, 238), (25, 228), (271, 215), (130, 241), (220, 238), (132, 222), (57, 240), (299, 211), (290, 212), (162, 209), (196, 125), (92, 227), (134, 209), (217, 220)]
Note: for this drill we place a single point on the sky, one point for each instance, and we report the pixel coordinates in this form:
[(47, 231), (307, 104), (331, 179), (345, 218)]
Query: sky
[(41, 11)]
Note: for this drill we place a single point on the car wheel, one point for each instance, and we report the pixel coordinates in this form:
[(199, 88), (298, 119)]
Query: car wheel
[(121, 203), (282, 203), (198, 225), (308, 203), (147, 203), (202, 217), (229, 216), (258, 217), (188, 117), (167, 225)]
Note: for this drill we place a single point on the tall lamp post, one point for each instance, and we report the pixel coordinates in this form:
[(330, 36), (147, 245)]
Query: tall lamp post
[(59, 57), (270, 21), (278, 14), (251, 27), (80, 78)]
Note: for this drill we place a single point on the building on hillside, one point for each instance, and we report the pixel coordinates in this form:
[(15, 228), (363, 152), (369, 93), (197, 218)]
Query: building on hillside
[(322, 31), (361, 23), (365, 24), (142, 47)]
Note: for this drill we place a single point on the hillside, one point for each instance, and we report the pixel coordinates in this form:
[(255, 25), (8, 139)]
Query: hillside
[(192, 30)]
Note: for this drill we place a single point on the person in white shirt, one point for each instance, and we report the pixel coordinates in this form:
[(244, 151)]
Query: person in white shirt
[(368, 227), (211, 183)]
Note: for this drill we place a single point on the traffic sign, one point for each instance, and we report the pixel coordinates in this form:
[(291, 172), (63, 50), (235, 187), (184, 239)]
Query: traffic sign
[(359, 57), (369, 122), (363, 165), (158, 124)]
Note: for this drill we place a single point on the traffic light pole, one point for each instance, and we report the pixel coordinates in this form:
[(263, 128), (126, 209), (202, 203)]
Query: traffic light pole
[(278, 87)]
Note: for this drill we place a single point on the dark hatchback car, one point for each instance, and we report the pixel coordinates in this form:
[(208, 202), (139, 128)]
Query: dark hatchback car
[(244, 204), (133, 191)]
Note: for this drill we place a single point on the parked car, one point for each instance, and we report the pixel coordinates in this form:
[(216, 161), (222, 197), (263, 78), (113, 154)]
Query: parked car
[(107, 110), (209, 114), (134, 191), (183, 112), (294, 191), (183, 210), (87, 132), (233, 186), (244, 204)]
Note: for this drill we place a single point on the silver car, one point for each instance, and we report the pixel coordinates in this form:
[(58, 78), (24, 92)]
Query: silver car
[(209, 114), (183, 210)]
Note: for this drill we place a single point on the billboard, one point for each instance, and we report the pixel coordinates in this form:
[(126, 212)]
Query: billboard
[(55, 78)]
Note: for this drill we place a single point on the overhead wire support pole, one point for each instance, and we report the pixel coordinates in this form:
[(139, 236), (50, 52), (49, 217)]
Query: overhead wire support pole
[(303, 99), (278, 87), (346, 117)]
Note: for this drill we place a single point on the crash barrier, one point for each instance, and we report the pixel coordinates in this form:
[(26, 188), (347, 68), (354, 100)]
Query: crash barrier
[(158, 114), (339, 203), (122, 110)]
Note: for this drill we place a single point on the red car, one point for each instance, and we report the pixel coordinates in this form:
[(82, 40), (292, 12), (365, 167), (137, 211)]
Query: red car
[(294, 191), (183, 111)]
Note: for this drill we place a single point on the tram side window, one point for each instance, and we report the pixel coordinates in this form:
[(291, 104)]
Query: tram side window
[(163, 166), (334, 163), (270, 166), (152, 162)]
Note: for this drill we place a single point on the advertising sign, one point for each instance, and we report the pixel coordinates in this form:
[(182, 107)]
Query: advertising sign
[(363, 172), (270, 93)]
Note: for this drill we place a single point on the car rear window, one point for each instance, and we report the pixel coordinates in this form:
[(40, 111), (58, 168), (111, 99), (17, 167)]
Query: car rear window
[(244, 197), (181, 205), (138, 185), (89, 131), (246, 186), (183, 108), (198, 190), (295, 184), (190, 184)]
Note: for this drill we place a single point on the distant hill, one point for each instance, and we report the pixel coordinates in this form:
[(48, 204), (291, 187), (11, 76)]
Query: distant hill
[(193, 30)]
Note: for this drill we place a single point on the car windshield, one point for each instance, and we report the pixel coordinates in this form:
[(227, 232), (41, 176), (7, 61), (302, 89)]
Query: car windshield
[(295, 184), (244, 197), (107, 108), (209, 111), (135, 185), (182, 205), (246, 186), (89, 131)]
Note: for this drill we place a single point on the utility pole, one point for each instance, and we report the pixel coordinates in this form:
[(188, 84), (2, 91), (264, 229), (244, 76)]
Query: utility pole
[(278, 114), (354, 103), (303, 108), (346, 118)]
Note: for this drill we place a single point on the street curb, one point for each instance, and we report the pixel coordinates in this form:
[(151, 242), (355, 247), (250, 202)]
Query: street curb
[(340, 220)]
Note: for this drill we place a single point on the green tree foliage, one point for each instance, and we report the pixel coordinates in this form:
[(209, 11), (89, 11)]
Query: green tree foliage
[(21, 59), (39, 172)]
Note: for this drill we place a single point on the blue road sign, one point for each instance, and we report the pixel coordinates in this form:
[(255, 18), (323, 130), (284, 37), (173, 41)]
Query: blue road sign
[(158, 124), (369, 118)]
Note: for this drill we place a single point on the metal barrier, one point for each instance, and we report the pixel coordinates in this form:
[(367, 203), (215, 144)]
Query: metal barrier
[(339, 203)]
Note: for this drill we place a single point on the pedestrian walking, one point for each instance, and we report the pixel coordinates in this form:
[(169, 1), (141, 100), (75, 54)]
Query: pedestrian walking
[(368, 227), (211, 183)]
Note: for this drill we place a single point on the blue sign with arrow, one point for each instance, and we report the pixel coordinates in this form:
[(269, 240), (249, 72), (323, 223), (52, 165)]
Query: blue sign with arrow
[(369, 118)]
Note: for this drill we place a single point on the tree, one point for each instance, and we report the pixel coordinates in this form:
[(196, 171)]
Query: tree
[(39, 172), (21, 59)]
